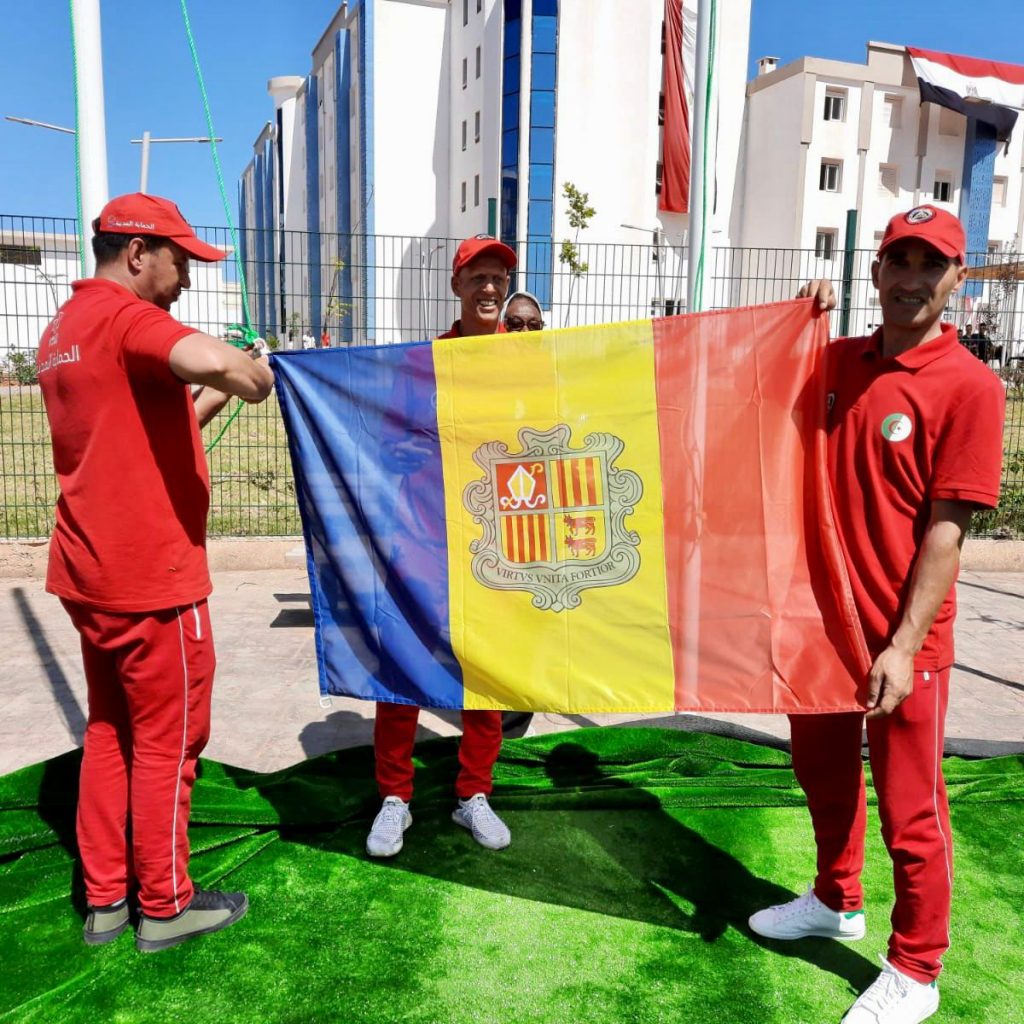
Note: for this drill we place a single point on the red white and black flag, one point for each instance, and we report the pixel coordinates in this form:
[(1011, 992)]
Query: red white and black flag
[(983, 89)]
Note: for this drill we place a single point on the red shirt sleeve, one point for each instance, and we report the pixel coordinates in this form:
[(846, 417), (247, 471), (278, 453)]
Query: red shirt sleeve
[(148, 334), (969, 456)]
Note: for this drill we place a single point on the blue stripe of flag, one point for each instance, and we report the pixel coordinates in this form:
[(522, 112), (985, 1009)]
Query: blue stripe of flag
[(362, 430)]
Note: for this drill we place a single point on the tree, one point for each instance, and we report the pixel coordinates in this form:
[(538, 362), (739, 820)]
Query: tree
[(336, 309), (580, 213)]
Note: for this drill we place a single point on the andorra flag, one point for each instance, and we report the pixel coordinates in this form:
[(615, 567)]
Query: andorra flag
[(631, 517)]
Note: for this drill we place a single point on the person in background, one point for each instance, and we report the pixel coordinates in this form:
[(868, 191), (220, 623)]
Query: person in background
[(480, 281), (915, 429), (128, 560), (523, 313)]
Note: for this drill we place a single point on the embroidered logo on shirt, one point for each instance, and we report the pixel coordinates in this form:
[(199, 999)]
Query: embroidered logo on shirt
[(897, 426)]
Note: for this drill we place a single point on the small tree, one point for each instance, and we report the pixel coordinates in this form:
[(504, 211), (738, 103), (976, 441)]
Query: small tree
[(336, 309), (580, 213), (21, 366)]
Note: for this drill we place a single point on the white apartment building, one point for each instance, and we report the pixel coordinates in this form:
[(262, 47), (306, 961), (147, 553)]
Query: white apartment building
[(823, 137), (422, 122)]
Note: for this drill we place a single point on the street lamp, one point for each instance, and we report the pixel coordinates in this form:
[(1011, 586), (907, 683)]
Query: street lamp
[(148, 140), (39, 124)]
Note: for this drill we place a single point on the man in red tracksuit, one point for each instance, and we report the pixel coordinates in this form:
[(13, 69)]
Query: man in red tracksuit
[(128, 559), (480, 280), (914, 445)]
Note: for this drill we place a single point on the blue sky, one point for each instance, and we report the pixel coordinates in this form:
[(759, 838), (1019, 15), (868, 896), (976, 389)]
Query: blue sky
[(150, 84)]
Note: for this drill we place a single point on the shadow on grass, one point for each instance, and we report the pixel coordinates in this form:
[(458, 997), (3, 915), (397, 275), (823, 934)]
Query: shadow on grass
[(586, 840)]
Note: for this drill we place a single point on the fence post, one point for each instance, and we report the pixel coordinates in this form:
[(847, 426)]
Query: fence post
[(849, 255)]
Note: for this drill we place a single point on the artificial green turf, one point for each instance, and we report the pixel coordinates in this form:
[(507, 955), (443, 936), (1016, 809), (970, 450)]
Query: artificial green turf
[(637, 856)]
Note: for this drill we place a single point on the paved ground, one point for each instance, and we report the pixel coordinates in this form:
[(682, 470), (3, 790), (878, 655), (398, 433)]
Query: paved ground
[(267, 712)]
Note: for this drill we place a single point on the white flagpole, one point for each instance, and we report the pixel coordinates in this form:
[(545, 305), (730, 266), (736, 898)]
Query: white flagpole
[(702, 167), (91, 139)]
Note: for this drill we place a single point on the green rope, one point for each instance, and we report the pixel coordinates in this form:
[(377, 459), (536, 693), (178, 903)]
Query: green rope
[(78, 162), (216, 163), (224, 429), (248, 329), (698, 290)]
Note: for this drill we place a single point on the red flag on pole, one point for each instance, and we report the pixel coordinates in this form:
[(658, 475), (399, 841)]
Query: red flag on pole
[(675, 188)]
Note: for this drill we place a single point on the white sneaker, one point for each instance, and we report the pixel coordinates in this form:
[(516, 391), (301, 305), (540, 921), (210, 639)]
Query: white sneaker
[(894, 998), (806, 916), (487, 828), (393, 818)]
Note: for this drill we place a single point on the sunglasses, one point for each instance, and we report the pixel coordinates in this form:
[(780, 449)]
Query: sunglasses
[(516, 323)]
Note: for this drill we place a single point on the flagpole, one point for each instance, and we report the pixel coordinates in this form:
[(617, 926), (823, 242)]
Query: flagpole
[(701, 167), (90, 119)]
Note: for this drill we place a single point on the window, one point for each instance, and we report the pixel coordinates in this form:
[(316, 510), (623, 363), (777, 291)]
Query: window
[(478, 62), (825, 243), (943, 190), (830, 177), (465, 12), (999, 191), (476, 190), (465, 72), (893, 110), (835, 105), (479, 6), (476, 126), (950, 122), (463, 197), (463, 136), (26, 255), (889, 179), (659, 178)]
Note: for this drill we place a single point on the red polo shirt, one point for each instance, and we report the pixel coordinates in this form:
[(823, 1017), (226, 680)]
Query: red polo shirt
[(904, 432), (130, 531), (455, 331)]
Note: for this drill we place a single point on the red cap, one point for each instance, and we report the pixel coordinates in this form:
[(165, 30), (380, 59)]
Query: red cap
[(141, 214), (482, 245), (939, 229)]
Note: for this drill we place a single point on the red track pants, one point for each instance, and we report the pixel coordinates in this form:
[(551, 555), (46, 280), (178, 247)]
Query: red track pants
[(394, 735), (905, 750), (149, 678)]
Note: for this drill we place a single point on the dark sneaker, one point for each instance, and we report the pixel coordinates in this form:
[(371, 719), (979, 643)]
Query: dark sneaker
[(104, 924), (209, 911)]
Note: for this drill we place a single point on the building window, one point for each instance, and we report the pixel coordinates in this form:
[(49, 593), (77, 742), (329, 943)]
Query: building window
[(830, 178), (835, 105), (659, 177), (465, 72), (476, 190), (479, 6), (943, 190), (476, 126), (463, 197), (889, 179), (463, 136), (893, 110), (478, 62), (999, 191), (825, 243), (950, 122), (465, 12)]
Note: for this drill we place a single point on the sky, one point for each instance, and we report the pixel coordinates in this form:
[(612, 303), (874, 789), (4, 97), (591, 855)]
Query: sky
[(150, 85)]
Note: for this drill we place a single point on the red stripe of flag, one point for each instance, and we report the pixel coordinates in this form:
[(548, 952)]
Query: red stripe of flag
[(675, 186)]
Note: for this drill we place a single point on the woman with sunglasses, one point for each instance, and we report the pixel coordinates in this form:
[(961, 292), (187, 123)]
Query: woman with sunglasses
[(523, 313)]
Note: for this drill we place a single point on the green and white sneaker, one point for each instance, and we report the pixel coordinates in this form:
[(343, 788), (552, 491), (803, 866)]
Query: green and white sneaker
[(894, 998), (209, 911), (477, 815), (104, 924), (807, 916)]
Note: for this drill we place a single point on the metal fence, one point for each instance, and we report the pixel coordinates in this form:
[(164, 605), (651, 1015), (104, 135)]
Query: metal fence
[(342, 290)]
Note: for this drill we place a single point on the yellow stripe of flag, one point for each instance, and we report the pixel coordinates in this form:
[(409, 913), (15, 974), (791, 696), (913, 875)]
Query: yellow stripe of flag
[(612, 651)]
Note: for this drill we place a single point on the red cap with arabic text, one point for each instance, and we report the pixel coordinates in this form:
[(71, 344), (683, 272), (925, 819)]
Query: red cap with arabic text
[(140, 214)]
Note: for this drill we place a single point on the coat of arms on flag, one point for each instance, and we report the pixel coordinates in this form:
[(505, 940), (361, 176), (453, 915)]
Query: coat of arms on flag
[(553, 516)]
